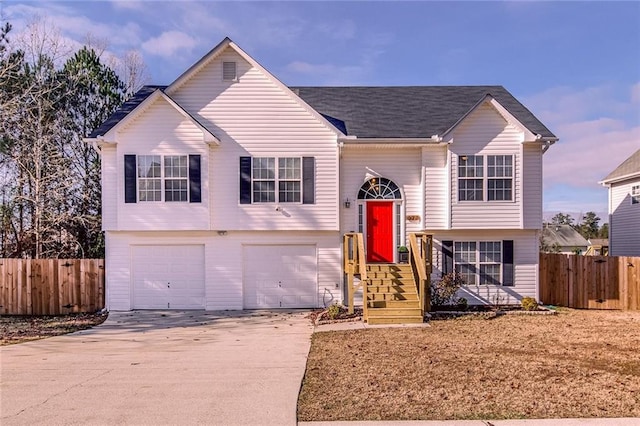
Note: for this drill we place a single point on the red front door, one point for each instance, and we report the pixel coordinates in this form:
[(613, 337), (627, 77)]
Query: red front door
[(380, 231)]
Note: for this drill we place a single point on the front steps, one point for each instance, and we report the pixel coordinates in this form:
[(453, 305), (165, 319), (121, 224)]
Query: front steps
[(391, 294)]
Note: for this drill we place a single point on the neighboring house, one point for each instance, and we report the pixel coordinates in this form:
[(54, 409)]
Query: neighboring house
[(229, 190), (624, 207), (563, 239), (598, 247)]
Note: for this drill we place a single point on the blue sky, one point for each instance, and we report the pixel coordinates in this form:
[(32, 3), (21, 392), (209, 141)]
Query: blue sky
[(575, 65)]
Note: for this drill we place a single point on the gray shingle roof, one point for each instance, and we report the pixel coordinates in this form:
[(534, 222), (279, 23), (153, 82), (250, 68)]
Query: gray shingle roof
[(563, 235), (125, 109), (409, 111), (628, 167), (384, 112)]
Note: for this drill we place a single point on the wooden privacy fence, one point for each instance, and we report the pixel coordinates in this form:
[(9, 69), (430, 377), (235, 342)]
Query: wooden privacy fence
[(590, 282), (51, 286)]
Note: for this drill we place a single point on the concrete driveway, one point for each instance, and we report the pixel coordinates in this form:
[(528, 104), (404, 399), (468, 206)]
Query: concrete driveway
[(226, 368)]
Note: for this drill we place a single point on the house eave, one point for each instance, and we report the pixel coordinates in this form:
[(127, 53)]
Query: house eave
[(389, 141), (619, 179)]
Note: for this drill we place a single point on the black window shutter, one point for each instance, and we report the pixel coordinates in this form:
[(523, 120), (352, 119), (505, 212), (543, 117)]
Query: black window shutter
[(507, 263), (447, 257), (245, 180), (308, 180), (130, 179), (195, 187)]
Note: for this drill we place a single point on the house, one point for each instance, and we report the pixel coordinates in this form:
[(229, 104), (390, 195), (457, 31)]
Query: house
[(563, 239), (598, 247), (624, 207), (229, 190)]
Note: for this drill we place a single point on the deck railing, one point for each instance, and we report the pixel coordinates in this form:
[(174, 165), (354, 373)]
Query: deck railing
[(355, 264), (420, 249)]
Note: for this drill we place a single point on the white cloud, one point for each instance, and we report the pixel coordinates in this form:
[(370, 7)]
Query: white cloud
[(598, 128), (73, 25), (129, 4), (169, 43), (588, 151)]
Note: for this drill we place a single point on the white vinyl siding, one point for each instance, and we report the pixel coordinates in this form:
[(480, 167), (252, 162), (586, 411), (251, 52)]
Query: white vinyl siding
[(532, 186), (162, 131), (260, 119), (109, 180), (525, 262), (436, 187), (400, 165), (485, 132), (223, 256), (624, 220)]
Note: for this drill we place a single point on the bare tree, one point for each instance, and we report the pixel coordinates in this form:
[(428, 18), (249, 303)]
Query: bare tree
[(133, 71)]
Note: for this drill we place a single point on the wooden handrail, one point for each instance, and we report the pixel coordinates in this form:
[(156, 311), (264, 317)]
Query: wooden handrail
[(420, 261), (354, 263)]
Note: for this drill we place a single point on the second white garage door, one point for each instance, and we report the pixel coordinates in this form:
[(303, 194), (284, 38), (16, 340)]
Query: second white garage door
[(280, 276), (168, 277)]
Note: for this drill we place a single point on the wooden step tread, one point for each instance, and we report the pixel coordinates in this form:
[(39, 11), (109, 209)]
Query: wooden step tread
[(394, 303), (391, 311), (399, 319)]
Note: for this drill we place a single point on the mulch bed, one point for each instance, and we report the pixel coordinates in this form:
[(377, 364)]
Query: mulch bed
[(24, 328)]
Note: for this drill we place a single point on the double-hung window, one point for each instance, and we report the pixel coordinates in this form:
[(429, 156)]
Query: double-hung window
[(175, 178), (162, 178), (149, 178), (479, 262), (276, 184), (470, 177), (485, 177), (635, 194)]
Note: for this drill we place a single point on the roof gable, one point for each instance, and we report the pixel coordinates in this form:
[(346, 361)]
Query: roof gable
[(629, 168), (140, 102), (227, 43)]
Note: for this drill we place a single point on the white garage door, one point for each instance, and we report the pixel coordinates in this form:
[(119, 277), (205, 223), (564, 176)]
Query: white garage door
[(283, 276), (168, 277)]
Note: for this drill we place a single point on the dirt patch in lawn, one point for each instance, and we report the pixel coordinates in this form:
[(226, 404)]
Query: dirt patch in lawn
[(18, 329), (574, 364)]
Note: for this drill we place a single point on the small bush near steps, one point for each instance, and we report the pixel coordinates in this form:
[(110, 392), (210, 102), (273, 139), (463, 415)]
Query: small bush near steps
[(443, 292), (529, 304)]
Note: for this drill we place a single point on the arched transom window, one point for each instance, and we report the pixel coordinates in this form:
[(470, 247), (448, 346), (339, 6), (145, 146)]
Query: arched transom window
[(379, 189)]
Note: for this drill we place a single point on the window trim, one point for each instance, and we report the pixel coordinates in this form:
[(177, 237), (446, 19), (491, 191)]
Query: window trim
[(635, 194), (485, 178), (162, 178), (277, 179), (235, 71), (477, 265)]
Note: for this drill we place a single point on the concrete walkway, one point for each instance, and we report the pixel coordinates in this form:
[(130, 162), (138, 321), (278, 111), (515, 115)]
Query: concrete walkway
[(225, 368)]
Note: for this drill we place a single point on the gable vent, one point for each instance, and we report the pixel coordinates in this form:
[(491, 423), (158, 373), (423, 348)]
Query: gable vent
[(229, 71)]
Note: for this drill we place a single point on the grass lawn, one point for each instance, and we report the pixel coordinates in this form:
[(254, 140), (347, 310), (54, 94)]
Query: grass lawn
[(575, 364)]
